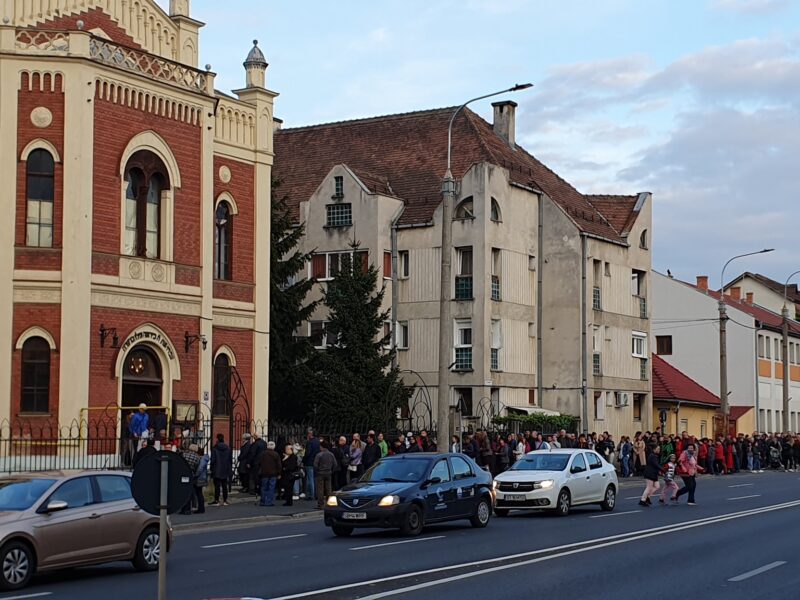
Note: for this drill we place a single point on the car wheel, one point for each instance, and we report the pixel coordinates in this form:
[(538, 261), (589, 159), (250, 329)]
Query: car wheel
[(482, 513), (414, 522), (341, 530), (18, 565), (148, 550), (564, 503), (501, 512), (610, 499)]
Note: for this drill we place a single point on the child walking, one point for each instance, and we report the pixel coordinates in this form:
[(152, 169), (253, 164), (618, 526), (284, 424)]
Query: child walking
[(670, 487)]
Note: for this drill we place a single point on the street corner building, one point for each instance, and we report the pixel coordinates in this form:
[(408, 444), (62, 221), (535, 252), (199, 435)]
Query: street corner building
[(135, 240), (549, 286)]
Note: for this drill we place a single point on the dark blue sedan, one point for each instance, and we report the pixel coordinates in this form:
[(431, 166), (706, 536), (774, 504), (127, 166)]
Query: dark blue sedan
[(408, 491)]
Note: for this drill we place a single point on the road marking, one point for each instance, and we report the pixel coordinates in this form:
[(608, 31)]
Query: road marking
[(37, 595), (745, 497), (588, 544), (615, 514), (740, 485), (435, 537), (282, 537), (757, 571), (633, 498)]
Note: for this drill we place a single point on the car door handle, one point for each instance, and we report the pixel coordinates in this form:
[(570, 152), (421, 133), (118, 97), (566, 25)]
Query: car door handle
[(95, 516)]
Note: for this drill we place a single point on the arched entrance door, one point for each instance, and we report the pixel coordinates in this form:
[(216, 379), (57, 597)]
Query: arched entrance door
[(141, 378)]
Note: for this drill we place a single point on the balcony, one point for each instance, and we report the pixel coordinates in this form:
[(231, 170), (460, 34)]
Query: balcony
[(464, 287), (463, 359), (496, 287)]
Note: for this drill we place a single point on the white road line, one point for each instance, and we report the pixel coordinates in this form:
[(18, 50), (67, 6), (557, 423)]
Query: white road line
[(633, 498), (615, 514), (757, 571), (435, 537), (281, 537), (745, 497), (37, 595), (591, 545), (741, 485)]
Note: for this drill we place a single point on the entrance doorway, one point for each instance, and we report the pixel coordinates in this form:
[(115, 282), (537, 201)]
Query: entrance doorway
[(141, 384)]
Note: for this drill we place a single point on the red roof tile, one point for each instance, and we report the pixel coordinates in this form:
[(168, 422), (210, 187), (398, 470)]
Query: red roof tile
[(738, 411), (671, 384), (619, 210), (409, 151), (792, 292)]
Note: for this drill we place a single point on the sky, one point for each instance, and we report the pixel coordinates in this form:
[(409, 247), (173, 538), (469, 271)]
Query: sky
[(696, 101)]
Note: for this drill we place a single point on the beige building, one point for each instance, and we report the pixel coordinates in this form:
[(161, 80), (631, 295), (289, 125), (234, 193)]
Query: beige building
[(766, 292), (526, 250)]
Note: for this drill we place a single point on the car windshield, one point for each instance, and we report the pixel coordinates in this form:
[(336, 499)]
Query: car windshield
[(403, 470), (542, 462), (20, 494)]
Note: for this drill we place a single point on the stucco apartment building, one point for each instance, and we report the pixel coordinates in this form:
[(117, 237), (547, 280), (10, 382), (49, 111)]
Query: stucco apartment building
[(550, 286), (135, 240), (686, 333), (766, 292)]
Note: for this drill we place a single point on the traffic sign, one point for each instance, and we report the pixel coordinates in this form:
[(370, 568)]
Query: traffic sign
[(146, 482)]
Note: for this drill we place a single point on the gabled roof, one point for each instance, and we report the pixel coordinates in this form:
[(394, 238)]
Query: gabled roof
[(792, 293), (377, 184), (671, 384), (409, 151), (620, 211)]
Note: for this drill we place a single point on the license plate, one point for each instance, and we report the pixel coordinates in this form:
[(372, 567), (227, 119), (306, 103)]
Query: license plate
[(357, 516), (515, 497)]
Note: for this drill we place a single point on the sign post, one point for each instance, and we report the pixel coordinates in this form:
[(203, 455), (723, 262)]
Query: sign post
[(162, 528)]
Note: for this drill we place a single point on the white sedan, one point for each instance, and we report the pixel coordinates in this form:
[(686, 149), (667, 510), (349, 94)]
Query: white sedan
[(557, 480)]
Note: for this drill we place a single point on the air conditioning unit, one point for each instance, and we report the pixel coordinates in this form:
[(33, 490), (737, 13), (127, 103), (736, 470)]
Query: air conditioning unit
[(623, 398)]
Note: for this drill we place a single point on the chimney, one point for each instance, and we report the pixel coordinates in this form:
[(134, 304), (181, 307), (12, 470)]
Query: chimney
[(277, 124), (504, 123), (736, 293), (749, 297), (702, 282)]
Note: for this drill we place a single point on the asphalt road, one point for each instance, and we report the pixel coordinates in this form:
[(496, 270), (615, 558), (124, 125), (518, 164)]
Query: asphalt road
[(741, 540)]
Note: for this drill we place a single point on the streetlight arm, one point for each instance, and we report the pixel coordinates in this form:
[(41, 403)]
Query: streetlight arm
[(516, 88), (786, 286), (730, 260)]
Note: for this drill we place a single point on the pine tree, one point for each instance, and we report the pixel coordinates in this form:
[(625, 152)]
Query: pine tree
[(354, 382), (288, 354)]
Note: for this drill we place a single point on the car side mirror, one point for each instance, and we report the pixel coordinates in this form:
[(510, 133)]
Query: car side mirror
[(576, 470), (56, 506), (433, 481)]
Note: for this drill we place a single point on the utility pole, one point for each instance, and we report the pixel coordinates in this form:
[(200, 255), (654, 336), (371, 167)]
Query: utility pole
[(723, 342), (785, 353), (445, 320)]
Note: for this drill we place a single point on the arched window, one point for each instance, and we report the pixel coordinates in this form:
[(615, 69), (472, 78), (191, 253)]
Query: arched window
[(223, 241), (146, 179), (464, 210), (35, 376), (495, 211), (643, 240), (222, 386), (40, 193)]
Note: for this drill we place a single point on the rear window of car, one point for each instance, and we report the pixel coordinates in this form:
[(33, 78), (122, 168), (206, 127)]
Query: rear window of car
[(595, 462), (114, 488), (22, 494), (461, 468)]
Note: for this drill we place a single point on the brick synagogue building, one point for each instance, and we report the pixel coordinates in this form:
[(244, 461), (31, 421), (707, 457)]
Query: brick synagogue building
[(135, 265)]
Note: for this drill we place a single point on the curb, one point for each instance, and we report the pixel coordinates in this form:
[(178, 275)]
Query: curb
[(264, 519)]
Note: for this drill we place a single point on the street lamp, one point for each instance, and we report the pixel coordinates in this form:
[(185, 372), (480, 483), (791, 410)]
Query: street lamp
[(445, 326), (723, 350), (785, 350)]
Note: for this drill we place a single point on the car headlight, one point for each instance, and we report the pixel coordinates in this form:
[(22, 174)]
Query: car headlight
[(495, 484), (546, 484), (332, 501), (389, 501)]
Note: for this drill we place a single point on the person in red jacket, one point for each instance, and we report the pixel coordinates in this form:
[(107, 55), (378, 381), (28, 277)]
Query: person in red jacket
[(719, 457), (729, 456)]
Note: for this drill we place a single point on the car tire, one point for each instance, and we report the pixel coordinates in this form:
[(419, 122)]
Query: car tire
[(18, 566), (483, 513), (148, 550), (414, 522), (563, 503), (609, 499), (341, 530), (501, 512)]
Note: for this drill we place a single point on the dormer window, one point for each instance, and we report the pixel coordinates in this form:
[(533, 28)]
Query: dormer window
[(338, 187), (465, 210)]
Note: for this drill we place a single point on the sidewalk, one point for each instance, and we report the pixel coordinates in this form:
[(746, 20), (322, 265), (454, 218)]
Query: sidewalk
[(242, 510)]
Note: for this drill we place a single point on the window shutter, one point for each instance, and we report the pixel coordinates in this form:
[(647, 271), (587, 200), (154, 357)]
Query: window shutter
[(387, 265)]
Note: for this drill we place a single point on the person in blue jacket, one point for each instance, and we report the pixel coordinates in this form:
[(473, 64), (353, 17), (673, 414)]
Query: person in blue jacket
[(140, 425)]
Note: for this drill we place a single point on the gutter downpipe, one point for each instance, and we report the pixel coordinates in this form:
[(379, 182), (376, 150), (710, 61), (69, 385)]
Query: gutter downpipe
[(757, 394), (584, 356), (539, 296)]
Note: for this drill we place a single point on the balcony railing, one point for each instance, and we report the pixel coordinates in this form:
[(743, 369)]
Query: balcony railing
[(463, 359), (496, 287), (464, 287)]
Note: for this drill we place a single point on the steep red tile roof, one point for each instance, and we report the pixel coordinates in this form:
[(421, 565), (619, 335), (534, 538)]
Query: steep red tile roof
[(739, 411), (792, 293), (409, 151), (377, 184), (619, 210), (671, 384)]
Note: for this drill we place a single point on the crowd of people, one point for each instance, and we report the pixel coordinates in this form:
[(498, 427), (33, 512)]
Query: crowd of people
[(289, 470)]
